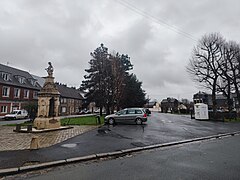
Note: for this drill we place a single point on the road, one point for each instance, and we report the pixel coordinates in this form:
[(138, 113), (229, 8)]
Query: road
[(214, 159), (160, 128), (4, 122)]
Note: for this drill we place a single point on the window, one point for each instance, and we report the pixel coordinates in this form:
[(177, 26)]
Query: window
[(33, 82), (122, 112), (3, 109), (64, 109), (5, 76), (131, 111), (26, 93), (16, 92), (5, 91), (63, 100), (35, 94), (138, 111), (21, 80)]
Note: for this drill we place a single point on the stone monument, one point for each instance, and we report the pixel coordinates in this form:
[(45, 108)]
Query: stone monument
[(48, 103)]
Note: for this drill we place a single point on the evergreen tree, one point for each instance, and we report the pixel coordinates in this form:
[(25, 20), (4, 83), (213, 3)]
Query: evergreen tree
[(108, 82), (134, 95)]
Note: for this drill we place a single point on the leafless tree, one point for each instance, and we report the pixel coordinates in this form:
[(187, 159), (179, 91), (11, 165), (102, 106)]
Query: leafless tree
[(229, 81), (206, 62)]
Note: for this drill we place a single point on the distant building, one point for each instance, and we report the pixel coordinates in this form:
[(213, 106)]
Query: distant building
[(71, 99), (150, 104), (153, 106), (221, 100), (202, 97), (169, 105), (17, 88)]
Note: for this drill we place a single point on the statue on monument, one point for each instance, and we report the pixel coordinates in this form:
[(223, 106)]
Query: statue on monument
[(49, 69), (48, 103)]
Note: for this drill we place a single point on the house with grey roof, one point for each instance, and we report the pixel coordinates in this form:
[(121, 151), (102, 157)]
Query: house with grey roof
[(17, 88), (169, 105), (71, 99)]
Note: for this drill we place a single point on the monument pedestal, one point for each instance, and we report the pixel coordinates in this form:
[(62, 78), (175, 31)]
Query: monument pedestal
[(47, 123), (48, 106)]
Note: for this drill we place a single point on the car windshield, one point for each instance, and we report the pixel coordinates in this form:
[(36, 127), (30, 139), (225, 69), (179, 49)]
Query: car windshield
[(121, 112), (14, 112)]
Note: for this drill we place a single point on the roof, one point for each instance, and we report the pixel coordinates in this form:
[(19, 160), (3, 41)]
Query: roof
[(40, 80), (169, 100), (69, 92), (66, 92), (14, 73), (151, 103), (164, 101)]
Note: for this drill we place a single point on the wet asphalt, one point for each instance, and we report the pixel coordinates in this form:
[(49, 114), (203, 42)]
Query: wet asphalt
[(214, 159), (160, 128)]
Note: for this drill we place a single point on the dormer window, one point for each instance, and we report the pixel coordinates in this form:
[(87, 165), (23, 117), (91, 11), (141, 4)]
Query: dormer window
[(21, 80), (33, 82), (5, 76)]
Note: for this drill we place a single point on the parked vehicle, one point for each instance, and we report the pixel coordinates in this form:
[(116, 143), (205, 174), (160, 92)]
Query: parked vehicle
[(17, 114), (137, 115), (84, 111), (148, 111), (98, 111)]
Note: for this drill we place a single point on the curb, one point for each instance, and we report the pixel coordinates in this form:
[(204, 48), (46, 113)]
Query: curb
[(11, 171)]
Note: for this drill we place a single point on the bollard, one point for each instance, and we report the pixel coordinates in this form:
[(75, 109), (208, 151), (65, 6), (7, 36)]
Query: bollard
[(98, 119), (18, 127), (29, 128), (34, 143)]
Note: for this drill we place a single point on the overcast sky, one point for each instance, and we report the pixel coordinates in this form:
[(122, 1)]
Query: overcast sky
[(158, 35)]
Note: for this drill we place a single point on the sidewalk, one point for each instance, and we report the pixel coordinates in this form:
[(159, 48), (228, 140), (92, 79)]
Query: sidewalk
[(10, 140)]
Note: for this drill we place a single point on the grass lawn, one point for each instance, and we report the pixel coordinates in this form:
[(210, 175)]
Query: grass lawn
[(87, 120), (232, 120)]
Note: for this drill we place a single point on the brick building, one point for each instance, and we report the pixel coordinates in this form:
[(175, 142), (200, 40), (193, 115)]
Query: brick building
[(70, 100), (17, 88)]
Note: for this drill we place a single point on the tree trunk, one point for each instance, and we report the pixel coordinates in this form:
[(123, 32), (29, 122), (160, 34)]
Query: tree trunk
[(101, 111), (214, 101)]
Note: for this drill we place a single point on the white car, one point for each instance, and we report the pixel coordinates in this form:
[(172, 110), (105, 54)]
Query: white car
[(17, 114)]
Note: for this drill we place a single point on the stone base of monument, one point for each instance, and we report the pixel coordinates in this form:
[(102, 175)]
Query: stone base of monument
[(34, 130), (47, 123)]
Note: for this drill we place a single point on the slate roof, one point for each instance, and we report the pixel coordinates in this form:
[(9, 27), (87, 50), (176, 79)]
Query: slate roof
[(69, 92), (66, 92), (169, 100), (13, 72), (40, 80)]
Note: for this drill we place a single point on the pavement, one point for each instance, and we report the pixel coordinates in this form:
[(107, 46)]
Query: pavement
[(11, 141)]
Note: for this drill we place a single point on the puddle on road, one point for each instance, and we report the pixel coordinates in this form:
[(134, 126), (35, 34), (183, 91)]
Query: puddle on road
[(69, 145), (138, 144)]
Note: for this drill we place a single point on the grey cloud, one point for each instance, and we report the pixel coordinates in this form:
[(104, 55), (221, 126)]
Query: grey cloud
[(65, 32)]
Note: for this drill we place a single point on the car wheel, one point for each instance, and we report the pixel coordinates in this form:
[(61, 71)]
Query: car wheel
[(111, 121), (138, 121)]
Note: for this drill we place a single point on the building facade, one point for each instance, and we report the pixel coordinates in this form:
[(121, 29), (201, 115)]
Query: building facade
[(169, 105), (71, 100), (221, 100), (17, 88)]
